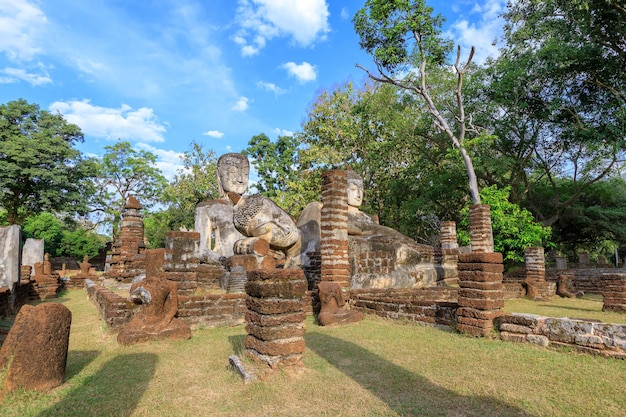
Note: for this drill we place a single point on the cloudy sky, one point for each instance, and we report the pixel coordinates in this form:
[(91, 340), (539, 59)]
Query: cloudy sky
[(164, 73)]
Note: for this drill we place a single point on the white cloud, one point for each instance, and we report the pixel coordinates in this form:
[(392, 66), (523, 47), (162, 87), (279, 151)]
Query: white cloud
[(13, 75), (271, 87), (242, 104), (283, 132), (214, 134), (21, 24), (344, 13), (112, 123), (304, 72), (304, 22), (482, 32), (169, 162)]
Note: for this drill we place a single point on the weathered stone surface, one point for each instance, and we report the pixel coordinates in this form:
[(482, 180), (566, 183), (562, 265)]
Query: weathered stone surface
[(480, 258), (280, 331), (36, 347), (481, 304), (155, 320), (280, 347), (32, 252), (274, 305), (332, 306), (10, 254), (274, 319), (277, 288)]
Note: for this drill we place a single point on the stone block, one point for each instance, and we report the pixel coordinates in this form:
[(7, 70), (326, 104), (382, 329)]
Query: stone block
[(10, 255), (481, 304), (274, 305), (277, 288), (274, 319), (280, 331), (282, 347), (37, 343), (484, 257)]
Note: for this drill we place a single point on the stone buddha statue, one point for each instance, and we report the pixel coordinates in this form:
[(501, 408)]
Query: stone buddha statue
[(404, 263), (236, 220), (214, 218)]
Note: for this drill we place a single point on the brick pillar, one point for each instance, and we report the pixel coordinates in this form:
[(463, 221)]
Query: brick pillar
[(448, 235), (131, 237), (334, 228), (275, 317), (181, 260), (481, 235), (614, 292), (481, 293), (535, 263)]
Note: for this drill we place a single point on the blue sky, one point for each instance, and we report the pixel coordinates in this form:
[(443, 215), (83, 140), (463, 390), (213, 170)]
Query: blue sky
[(164, 73)]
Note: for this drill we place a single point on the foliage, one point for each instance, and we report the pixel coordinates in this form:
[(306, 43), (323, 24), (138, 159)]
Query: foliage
[(405, 40), (514, 228), (121, 172), (62, 237), (595, 218), (557, 95), (195, 182), (156, 225), (280, 171), (39, 167)]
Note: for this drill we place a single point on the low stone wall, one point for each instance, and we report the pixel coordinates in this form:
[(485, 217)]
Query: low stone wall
[(212, 310), (206, 310), (586, 336), (432, 305), (114, 309)]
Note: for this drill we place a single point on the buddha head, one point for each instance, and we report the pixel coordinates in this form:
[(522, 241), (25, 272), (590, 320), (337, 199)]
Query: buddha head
[(355, 189), (232, 173)]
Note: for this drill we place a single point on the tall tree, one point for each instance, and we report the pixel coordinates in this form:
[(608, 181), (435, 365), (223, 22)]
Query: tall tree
[(39, 167), (405, 41), (195, 182), (559, 90), (280, 171), (123, 171)]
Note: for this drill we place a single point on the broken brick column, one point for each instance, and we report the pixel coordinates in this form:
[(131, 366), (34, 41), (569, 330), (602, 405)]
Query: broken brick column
[(535, 261), (448, 255), (334, 228), (481, 234), (481, 293), (275, 317), (448, 235), (614, 292), (181, 260)]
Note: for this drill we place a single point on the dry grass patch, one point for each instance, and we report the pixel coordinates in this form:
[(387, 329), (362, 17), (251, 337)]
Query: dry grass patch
[(371, 368)]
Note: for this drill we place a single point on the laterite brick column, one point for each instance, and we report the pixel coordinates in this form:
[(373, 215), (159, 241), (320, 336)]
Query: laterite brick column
[(448, 235), (181, 260), (275, 317), (334, 228), (481, 293), (535, 264), (448, 255), (481, 234), (614, 292)]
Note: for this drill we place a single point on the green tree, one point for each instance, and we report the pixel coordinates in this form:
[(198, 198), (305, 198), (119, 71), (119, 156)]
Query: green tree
[(39, 167), (405, 41), (514, 228), (80, 242), (195, 182), (558, 98), (121, 172), (280, 171), (45, 226)]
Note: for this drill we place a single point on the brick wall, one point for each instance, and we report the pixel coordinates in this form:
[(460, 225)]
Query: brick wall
[(114, 309), (432, 305)]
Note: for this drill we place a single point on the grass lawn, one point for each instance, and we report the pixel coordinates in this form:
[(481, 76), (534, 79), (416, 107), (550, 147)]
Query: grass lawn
[(371, 368)]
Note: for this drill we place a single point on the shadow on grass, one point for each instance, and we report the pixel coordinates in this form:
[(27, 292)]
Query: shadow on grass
[(114, 390), (238, 343), (568, 308), (77, 360), (404, 392)]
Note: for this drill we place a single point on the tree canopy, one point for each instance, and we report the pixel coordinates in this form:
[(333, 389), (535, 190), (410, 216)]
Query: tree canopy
[(40, 169)]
